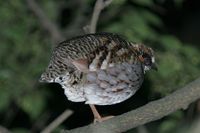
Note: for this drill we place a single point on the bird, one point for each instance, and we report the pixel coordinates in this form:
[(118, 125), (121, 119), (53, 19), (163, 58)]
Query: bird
[(99, 69)]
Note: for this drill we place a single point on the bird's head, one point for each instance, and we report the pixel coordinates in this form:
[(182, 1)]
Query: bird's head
[(146, 56), (51, 76)]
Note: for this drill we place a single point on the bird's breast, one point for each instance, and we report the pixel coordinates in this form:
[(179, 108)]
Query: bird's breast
[(114, 84), (107, 86)]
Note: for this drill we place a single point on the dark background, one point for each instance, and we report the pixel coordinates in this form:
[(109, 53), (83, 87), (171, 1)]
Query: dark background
[(170, 27)]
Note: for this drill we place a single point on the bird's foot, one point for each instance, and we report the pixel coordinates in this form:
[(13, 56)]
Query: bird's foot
[(97, 116), (101, 119)]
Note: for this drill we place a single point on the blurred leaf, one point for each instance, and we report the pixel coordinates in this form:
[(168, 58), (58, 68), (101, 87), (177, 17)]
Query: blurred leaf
[(118, 2), (4, 98), (50, 8), (144, 2), (171, 122), (32, 104), (178, 3), (171, 43), (167, 126), (173, 71), (138, 25), (20, 130)]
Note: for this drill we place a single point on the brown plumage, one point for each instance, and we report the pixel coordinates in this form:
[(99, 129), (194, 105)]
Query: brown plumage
[(100, 69)]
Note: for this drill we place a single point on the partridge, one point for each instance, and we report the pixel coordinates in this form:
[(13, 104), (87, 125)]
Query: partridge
[(99, 69)]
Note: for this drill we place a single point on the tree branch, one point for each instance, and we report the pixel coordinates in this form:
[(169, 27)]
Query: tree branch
[(46, 23), (195, 128), (152, 111), (57, 121), (4, 130), (99, 6)]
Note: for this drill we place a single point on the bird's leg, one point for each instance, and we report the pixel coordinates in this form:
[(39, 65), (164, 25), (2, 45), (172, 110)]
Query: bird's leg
[(97, 116)]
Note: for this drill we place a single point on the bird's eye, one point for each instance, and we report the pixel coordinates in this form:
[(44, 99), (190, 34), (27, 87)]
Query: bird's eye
[(147, 59), (60, 78)]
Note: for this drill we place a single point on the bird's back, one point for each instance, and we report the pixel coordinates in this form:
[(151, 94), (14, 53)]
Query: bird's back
[(86, 49), (86, 45)]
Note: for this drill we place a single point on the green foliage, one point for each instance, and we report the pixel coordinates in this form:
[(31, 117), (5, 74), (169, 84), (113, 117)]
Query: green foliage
[(178, 62), (20, 130), (138, 22), (50, 8), (171, 123), (168, 126), (118, 2), (21, 52), (178, 3), (33, 104), (4, 98), (144, 2)]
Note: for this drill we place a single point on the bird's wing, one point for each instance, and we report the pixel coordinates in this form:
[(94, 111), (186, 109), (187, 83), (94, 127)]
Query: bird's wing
[(105, 55)]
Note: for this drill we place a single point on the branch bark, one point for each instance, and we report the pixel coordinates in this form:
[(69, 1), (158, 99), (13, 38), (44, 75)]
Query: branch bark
[(60, 119), (152, 111), (4, 130), (99, 6)]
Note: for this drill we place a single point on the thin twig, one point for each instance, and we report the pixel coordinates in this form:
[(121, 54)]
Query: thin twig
[(78, 20), (152, 111), (60, 119), (44, 20), (99, 6), (39, 125), (4, 130), (194, 128)]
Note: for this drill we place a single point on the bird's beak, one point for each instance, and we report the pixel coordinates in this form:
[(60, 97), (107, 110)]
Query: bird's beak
[(154, 67), (41, 79)]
